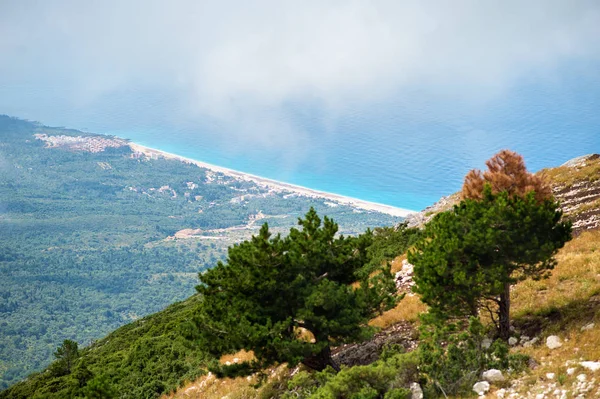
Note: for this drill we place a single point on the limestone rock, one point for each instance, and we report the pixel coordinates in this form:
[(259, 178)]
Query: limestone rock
[(512, 341), (404, 278), (531, 342), (416, 391), (588, 327), (553, 342), (481, 387), (593, 366), (493, 375)]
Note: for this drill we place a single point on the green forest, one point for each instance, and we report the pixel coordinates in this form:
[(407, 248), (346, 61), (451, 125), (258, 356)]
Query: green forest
[(84, 238)]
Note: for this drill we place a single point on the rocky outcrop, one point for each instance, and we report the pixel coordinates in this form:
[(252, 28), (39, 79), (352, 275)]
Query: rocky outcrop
[(367, 352), (404, 278), (579, 196), (575, 184)]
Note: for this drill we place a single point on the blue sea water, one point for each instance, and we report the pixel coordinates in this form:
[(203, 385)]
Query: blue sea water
[(406, 151)]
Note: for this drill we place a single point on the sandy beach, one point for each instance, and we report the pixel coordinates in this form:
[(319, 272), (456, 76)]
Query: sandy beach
[(276, 185)]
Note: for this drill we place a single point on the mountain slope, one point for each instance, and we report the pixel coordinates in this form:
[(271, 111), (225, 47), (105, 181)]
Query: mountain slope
[(94, 235), (561, 305)]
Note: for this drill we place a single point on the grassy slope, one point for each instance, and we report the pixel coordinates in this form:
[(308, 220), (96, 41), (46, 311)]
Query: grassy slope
[(561, 305)]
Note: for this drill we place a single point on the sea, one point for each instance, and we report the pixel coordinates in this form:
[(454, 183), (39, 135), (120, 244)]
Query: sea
[(407, 150)]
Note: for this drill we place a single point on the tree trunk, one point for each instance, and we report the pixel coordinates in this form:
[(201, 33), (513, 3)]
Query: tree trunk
[(504, 313), (321, 360)]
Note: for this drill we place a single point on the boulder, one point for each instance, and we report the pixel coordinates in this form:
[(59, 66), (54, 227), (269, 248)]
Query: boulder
[(512, 341), (588, 327), (593, 366), (416, 391), (481, 387), (531, 342), (553, 342), (493, 375), (486, 343)]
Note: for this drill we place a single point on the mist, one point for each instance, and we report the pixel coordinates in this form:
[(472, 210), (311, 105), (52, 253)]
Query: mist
[(280, 76)]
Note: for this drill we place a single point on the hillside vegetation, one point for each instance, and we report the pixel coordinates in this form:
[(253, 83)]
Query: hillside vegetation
[(94, 235), (166, 354)]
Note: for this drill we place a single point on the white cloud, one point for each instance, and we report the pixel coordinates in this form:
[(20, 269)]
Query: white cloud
[(243, 64)]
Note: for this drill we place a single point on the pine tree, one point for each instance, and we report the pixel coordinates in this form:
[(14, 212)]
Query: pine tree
[(506, 172), (470, 256), (271, 289), (65, 355)]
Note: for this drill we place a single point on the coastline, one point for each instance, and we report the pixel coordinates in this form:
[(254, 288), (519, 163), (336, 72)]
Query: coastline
[(277, 185)]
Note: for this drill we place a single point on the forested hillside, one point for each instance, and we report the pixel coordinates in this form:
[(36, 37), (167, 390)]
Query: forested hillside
[(88, 235)]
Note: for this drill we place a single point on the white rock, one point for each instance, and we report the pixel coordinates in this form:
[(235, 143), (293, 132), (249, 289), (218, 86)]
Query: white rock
[(593, 366), (415, 391), (493, 375), (531, 342), (581, 377), (481, 387), (540, 396), (553, 342), (571, 371), (486, 343), (523, 339), (500, 393), (512, 341), (588, 327), (550, 376)]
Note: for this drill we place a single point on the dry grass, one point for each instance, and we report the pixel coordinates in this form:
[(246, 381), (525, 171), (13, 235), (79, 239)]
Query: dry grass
[(397, 264), (210, 387), (239, 357), (408, 309), (590, 206), (561, 305), (575, 279), (567, 176)]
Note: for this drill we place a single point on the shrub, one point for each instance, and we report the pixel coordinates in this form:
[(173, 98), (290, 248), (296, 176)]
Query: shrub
[(387, 378), (453, 355)]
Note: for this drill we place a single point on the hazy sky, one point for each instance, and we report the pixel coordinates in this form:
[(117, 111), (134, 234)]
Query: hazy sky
[(244, 68), (236, 61)]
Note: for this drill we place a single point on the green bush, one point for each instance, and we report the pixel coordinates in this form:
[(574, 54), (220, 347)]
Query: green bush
[(453, 355), (387, 378)]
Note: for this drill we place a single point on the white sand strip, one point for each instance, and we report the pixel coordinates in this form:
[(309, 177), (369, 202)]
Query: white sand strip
[(276, 185)]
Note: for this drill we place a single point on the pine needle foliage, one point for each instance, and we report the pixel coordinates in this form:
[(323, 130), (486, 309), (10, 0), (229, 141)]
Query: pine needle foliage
[(272, 287), (470, 256), (506, 172)]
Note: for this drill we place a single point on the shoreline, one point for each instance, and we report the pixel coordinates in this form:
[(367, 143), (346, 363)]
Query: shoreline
[(274, 184)]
